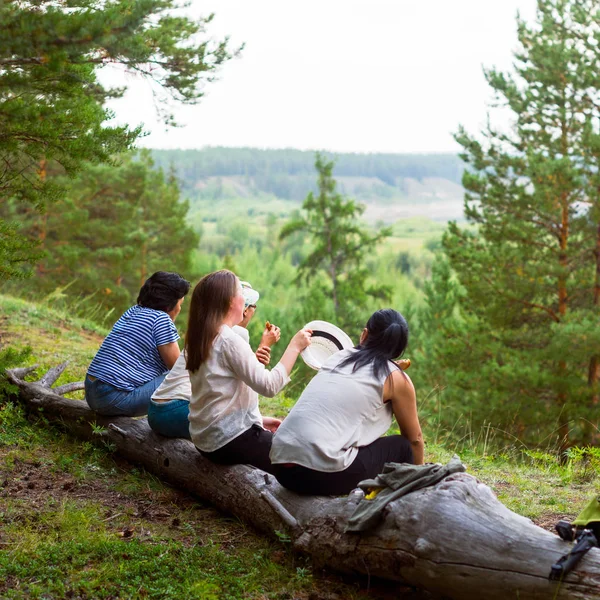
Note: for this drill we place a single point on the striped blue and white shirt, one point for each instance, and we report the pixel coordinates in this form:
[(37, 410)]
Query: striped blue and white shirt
[(129, 357)]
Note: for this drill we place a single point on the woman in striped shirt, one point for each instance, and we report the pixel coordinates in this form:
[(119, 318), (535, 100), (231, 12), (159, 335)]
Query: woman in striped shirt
[(139, 351)]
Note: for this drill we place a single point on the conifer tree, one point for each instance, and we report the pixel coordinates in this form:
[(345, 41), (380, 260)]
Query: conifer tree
[(340, 246), (522, 351), (113, 228), (52, 104)]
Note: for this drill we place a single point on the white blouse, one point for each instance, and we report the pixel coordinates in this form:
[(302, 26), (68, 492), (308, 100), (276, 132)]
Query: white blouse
[(224, 400), (339, 411)]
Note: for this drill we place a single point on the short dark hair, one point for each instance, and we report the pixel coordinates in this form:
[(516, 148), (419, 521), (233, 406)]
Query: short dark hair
[(386, 340), (163, 290)]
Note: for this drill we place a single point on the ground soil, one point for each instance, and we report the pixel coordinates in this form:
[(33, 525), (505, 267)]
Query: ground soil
[(151, 513)]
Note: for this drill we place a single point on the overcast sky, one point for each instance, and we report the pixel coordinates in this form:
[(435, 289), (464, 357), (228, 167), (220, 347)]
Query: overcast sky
[(342, 75)]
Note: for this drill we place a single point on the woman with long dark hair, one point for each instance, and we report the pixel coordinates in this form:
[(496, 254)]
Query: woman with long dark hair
[(225, 422), (331, 439), (139, 351)]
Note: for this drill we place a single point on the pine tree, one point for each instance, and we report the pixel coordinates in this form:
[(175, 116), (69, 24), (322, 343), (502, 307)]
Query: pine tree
[(339, 248), (16, 252), (113, 228), (52, 104), (526, 352)]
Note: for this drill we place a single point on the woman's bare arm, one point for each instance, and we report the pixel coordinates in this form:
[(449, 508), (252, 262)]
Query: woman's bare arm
[(169, 353), (401, 392)]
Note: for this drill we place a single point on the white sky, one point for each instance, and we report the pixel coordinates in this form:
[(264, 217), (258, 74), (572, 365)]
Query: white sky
[(342, 75)]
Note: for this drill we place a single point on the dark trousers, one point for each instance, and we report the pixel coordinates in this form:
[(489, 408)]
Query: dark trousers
[(368, 463), (249, 448)]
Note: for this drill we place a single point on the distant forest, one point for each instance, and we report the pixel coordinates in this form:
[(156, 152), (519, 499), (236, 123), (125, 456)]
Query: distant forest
[(289, 174)]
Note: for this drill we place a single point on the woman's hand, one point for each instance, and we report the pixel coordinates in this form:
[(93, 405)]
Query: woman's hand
[(403, 363), (263, 354), (271, 424), (301, 340), (270, 336)]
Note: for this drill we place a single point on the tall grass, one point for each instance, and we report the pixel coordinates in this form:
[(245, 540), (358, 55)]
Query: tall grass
[(92, 314)]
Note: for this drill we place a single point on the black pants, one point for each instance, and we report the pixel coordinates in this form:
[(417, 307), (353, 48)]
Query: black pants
[(249, 448), (368, 463)]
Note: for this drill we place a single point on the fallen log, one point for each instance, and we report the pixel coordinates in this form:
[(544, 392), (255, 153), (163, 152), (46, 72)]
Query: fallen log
[(454, 539)]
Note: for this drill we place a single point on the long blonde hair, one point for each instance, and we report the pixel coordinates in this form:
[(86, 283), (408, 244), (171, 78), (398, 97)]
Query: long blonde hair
[(210, 304)]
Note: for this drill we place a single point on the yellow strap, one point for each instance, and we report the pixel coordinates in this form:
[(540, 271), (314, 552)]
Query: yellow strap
[(373, 493)]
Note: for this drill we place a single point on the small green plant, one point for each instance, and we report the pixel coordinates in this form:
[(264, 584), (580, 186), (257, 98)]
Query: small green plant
[(303, 573), (109, 446), (540, 458), (283, 536), (97, 429), (583, 463)]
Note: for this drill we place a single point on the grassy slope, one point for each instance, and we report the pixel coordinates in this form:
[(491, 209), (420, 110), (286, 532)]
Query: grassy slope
[(79, 522)]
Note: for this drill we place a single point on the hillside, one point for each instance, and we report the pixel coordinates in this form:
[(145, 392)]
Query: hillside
[(392, 186), (80, 522)]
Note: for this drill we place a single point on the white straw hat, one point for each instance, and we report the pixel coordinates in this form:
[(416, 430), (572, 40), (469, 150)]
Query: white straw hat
[(327, 339)]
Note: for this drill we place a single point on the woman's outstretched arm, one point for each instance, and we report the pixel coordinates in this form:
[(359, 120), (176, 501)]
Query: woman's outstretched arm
[(300, 341), (246, 366)]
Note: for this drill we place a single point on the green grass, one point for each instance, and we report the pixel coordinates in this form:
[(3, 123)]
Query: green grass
[(64, 550), (53, 335), (537, 487), (78, 521)]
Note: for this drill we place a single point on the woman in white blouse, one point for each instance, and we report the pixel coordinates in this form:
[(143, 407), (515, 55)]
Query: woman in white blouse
[(225, 422)]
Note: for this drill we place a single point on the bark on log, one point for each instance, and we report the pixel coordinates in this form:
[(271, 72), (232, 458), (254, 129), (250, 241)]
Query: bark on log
[(454, 539)]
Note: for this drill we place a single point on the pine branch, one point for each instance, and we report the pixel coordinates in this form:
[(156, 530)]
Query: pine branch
[(521, 301)]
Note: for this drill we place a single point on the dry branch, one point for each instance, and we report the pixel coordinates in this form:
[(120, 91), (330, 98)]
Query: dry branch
[(67, 388)]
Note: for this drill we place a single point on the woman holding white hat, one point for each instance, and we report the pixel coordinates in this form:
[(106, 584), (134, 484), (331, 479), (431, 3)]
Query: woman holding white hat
[(331, 439), (225, 422), (170, 404)]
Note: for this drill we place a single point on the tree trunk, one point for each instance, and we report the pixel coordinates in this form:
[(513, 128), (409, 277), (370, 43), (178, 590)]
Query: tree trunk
[(594, 368), (43, 230), (563, 419), (454, 539)]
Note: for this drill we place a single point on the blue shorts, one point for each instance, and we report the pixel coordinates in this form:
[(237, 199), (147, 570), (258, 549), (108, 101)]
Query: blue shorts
[(170, 418)]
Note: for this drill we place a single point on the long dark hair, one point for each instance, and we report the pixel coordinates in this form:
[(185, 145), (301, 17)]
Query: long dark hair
[(387, 339), (210, 304), (163, 290)]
